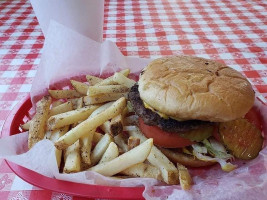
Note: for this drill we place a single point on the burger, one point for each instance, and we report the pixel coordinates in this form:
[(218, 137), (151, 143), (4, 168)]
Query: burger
[(195, 108)]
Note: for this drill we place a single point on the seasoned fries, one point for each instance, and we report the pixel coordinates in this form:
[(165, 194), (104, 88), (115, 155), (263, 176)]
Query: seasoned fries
[(77, 102), (124, 161), (120, 140), (80, 87), (54, 136), (86, 146), (92, 80), (101, 109), (143, 170), (26, 126), (93, 128), (100, 148), (103, 98), (56, 103), (65, 107), (70, 117), (123, 80), (106, 127), (97, 137), (184, 177), (111, 153), (104, 89), (38, 123), (168, 171), (109, 80), (133, 142), (72, 158), (90, 125), (116, 126), (64, 94)]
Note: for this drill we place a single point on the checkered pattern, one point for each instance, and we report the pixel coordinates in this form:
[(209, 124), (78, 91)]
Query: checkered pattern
[(233, 32)]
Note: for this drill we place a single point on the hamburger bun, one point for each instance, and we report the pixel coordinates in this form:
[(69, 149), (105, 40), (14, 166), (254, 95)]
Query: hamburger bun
[(186, 88), (184, 159)]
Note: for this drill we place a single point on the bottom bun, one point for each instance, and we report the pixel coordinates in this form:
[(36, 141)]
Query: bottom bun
[(184, 159)]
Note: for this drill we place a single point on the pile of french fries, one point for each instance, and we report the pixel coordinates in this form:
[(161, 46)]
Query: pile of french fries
[(94, 128)]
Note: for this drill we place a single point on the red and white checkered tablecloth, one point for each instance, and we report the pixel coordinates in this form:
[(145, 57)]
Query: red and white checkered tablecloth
[(233, 32)]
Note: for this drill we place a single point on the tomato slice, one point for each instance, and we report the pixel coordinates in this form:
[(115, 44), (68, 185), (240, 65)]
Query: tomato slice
[(163, 138), (253, 116)]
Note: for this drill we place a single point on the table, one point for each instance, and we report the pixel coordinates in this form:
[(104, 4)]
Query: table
[(233, 32)]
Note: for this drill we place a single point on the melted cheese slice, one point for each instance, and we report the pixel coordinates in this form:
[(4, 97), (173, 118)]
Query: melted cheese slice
[(160, 113)]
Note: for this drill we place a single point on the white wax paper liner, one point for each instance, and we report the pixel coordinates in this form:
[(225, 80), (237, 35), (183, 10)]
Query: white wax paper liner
[(84, 16), (67, 54)]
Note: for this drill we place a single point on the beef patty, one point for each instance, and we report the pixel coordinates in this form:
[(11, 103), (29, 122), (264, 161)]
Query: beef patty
[(153, 119)]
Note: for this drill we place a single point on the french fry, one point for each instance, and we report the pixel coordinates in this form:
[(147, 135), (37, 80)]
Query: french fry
[(65, 107), (124, 113), (116, 126), (123, 80), (92, 80), (106, 127), (72, 158), (48, 134), (103, 98), (86, 146), (143, 170), (100, 148), (97, 137), (133, 142), (70, 117), (64, 94), (26, 126), (56, 103), (101, 109), (184, 177), (54, 136), (124, 161), (104, 89), (109, 80), (169, 172), (38, 123), (121, 141), (80, 87), (88, 126), (79, 104), (111, 153)]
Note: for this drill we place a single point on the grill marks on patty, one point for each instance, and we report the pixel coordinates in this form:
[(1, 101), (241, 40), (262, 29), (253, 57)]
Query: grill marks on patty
[(153, 119)]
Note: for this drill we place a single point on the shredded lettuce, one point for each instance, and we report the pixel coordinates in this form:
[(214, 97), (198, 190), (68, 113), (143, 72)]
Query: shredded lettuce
[(215, 149), (226, 166), (200, 149)]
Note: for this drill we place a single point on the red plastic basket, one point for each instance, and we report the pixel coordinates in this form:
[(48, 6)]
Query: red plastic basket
[(11, 127)]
